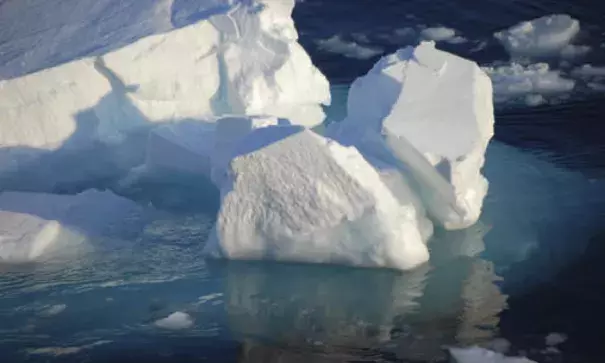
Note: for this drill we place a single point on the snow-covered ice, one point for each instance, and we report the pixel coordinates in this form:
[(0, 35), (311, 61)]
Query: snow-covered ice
[(392, 117), (480, 355), (243, 58), (32, 225), (175, 321), (349, 49), (292, 195), (542, 37)]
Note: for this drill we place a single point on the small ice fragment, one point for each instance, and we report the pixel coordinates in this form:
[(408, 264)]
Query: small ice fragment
[(545, 36), (534, 100), (54, 310), (553, 339), (175, 321), (438, 33), (480, 355), (349, 49)]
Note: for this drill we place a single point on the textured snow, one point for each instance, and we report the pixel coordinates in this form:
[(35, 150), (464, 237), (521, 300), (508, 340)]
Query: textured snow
[(545, 36), (392, 117), (516, 80), (292, 195), (35, 224), (175, 321), (243, 58), (349, 49), (480, 355)]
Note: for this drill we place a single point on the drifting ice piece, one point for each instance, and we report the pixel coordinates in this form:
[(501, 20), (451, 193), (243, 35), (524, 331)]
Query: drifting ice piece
[(429, 114), (292, 195), (480, 355), (32, 224), (542, 37), (515, 81)]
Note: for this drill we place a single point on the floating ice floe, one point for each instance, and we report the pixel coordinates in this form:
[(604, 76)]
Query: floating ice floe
[(175, 321), (529, 83), (242, 59), (349, 49), (480, 355), (292, 195), (542, 37), (438, 33), (32, 225), (428, 114)]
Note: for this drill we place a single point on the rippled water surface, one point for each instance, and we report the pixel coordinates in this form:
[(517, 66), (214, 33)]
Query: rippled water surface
[(530, 266)]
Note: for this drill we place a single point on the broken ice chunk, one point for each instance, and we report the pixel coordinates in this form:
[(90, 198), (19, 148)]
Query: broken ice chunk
[(429, 114), (292, 195)]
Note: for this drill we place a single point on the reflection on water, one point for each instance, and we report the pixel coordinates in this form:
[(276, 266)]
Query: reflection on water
[(536, 219)]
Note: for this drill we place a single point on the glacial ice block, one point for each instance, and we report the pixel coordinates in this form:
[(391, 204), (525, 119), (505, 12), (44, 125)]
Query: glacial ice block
[(242, 58), (542, 37), (33, 224), (429, 114), (292, 195)]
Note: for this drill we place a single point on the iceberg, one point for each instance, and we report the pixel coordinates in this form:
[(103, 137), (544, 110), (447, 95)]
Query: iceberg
[(33, 225), (543, 37), (292, 195), (429, 115), (243, 58)]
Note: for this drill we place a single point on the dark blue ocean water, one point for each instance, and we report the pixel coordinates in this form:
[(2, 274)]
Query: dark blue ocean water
[(531, 266)]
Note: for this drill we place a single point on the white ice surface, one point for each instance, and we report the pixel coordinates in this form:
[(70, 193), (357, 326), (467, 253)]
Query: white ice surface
[(175, 321), (545, 36), (34, 224), (480, 355), (243, 58), (292, 195), (392, 116)]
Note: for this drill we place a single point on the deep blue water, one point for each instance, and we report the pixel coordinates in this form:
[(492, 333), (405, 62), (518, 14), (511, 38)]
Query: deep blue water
[(530, 267)]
